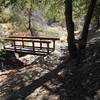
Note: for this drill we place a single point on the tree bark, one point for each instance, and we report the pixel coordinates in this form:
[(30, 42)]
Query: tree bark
[(30, 18), (84, 35), (29, 21), (70, 28)]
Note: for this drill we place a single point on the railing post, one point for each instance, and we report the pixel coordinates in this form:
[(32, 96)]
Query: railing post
[(14, 45), (22, 43), (33, 46), (11, 44), (40, 44), (53, 45), (48, 48)]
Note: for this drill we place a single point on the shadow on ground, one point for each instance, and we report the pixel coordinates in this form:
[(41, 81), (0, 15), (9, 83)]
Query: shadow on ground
[(9, 61), (66, 81)]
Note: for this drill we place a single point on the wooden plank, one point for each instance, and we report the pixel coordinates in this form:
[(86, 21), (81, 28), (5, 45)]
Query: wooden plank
[(18, 48), (14, 45), (33, 46), (48, 48), (26, 50), (22, 43), (53, 44), (31, 37), (9, 39), (40, 44)]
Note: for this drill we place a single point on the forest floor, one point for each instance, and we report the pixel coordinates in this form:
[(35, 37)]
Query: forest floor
[(52, 77)]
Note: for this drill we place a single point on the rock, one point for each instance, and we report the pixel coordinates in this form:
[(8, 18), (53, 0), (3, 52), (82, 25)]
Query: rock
[(63, 45), (56, 52), (28, 59)]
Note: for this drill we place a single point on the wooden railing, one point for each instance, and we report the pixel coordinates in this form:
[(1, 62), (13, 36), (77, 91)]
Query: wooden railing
[(42, 47), (38, 38)]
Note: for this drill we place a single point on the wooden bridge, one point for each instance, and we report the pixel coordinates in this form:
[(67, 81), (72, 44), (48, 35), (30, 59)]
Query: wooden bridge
[(30, 45)]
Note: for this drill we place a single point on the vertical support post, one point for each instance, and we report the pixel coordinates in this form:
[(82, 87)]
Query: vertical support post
[(40, 44), (11, 44), (33, 46), (22, 43), (3, 45), (48, 47), (53, 45), (14, 45)]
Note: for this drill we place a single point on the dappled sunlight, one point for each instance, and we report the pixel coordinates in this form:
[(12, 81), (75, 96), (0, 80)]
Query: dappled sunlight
[(47, 79), (49, 49), (30, 72)]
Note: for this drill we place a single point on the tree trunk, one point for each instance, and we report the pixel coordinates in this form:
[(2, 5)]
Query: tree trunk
[(70, 28), (29, 19), (84, 34)]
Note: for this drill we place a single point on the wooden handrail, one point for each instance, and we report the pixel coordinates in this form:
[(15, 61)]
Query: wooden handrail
[(9, 39), (35, 37), (23, 46)]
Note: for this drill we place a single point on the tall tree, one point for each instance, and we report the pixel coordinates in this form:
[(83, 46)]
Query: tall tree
[(70, 28), (73, 50), (84, 35), (30, 18)]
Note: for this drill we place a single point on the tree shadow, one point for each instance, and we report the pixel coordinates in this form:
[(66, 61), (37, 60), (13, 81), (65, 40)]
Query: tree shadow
[(9, 61), (70, 85), (94, 35), (25, 91), (69, 81)]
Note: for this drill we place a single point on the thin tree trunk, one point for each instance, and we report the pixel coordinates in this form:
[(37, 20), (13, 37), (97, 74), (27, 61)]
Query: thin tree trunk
[(70, 28), (84, 34), (29, 19)]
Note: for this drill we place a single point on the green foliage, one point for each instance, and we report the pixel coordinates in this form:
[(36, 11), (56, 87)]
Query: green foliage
[(5, 16), (55, 9), (80, 8), (52, 10)]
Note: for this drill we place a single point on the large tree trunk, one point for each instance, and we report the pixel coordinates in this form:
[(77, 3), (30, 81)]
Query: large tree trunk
[(84, 34), (70, 28)]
